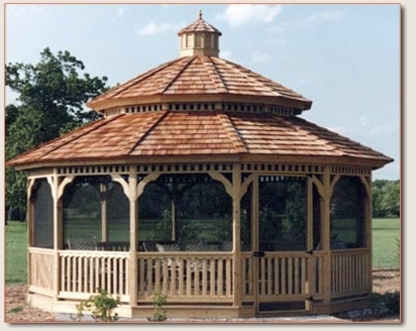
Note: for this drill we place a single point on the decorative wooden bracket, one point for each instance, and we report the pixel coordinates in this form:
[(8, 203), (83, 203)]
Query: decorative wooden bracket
[(367, 184), (221, 178)]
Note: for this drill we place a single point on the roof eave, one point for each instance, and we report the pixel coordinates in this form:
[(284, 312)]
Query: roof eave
[(296, 103), (373, 163)]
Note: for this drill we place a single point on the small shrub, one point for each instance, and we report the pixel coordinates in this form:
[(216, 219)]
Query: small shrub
[(158, 301), (392, 302), (101, 306), (386, 304), (16, 309)]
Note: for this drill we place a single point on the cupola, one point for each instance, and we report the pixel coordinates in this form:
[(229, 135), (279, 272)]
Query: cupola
[(199, 38)]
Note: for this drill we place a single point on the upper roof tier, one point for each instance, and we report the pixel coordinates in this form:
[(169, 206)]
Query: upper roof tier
[(199, 78), (199, 75)]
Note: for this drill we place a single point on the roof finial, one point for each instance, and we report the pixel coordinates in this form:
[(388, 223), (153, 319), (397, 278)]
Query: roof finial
[(200, 14)]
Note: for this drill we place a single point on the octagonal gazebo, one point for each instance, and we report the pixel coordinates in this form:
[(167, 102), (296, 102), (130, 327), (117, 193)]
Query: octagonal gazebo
[(201, 182)]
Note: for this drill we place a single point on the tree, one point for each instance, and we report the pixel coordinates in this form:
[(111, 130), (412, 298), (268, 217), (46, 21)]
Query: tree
[(50, 102), (386, 198)]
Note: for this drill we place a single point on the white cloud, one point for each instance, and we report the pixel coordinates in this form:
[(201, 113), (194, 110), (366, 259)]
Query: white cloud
[(238, 14), (155, 28), (324, 16), (260, 57), (383, 130), (119, 14), (22, 10), (226, 54), (311, 20)]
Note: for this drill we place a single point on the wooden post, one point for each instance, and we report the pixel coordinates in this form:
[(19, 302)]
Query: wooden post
[(173, 210), (368, 219), (237, 288), (369, 236), (309, 215), (53, 182), (60, 229), (309, 285), (255, 214), (133, 191), (104, 221), (29, 220), (326, 234), (255, 233), (134, 220)]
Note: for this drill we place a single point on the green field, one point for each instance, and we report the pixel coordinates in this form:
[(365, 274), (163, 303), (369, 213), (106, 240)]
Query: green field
[(16, 252), (386, 236), (386, 233)]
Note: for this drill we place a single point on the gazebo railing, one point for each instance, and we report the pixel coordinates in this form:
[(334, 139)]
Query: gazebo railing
[(280, 276), (85, 272), (182, 276), (206, 277), (349, 274), (41, 269), (186, 276)]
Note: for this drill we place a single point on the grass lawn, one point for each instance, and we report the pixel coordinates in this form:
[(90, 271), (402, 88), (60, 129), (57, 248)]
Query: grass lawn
[(386, 236), (16, 252), (386, 233)]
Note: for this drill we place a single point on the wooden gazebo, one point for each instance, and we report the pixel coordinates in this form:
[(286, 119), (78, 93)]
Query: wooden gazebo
[(201, 182)]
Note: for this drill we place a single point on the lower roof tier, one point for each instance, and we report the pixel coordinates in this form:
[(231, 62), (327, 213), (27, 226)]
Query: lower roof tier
[(165, 135)]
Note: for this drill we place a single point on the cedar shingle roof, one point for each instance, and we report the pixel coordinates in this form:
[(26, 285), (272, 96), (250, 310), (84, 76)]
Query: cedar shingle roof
[(203, 76), (199, 26), (168, 133), (173, 136)]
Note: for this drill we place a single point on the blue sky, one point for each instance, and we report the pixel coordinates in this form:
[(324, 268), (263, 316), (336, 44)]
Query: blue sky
[(344, 57)]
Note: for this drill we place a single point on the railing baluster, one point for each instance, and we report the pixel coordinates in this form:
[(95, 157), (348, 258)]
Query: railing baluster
[(269, 264), (290, 275), (204, 278), (220, 277), (181, 277), (212, 276), (189, 278), (298, 275), (283, 275)]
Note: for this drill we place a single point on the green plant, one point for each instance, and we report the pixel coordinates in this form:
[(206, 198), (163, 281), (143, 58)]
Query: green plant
[(163, 229), (158, 301), (386, 304), (80, 312), (101, 307), (16, 309)]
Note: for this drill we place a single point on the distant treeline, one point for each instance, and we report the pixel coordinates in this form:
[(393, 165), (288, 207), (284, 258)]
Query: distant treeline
[(386, 198)]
